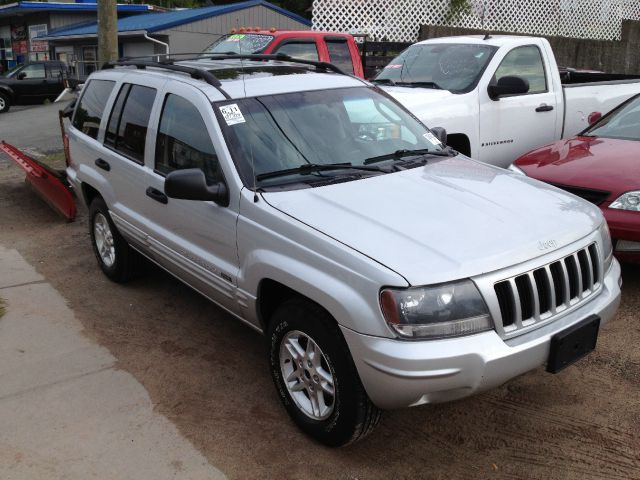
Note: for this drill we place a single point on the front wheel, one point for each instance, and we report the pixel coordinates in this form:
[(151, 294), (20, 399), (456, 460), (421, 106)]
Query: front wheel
[(315, 375), (5, 104)]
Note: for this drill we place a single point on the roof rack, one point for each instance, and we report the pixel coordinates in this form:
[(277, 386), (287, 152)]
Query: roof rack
[(210, 78), (197, 73)]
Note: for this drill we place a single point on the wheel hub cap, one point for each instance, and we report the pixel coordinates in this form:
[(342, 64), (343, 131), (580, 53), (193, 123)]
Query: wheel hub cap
[(104, 240), (307, 375)]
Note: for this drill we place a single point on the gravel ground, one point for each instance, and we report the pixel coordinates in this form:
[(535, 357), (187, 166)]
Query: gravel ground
[(208, 374)]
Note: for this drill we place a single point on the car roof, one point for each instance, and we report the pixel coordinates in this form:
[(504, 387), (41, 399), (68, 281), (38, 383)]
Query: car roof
[(246, 78), (494, 40), (297, 33)]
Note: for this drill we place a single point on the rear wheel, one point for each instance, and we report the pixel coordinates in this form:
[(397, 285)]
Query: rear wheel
[(5, 104), (116, 258), (315, 375)]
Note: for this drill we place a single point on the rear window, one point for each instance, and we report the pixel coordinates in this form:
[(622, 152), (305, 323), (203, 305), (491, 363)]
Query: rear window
[(245, 43), (90, 109), (340, 55), (127, 130)]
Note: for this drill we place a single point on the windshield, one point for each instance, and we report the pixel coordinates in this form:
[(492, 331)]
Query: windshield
[(245, 43), (453, 67), (288, 131), (623, 123)]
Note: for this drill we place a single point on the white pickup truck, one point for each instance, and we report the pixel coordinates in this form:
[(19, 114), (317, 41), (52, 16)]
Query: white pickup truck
[(499, 96)]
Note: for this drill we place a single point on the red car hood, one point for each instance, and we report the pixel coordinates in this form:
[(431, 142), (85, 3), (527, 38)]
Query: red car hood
[(590, 162)]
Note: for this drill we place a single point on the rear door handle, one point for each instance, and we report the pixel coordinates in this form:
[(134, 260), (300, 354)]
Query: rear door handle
[(103, 164), (544, 108), (157, 195)]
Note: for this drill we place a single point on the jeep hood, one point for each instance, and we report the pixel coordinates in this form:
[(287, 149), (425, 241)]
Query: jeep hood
[(453, 218)]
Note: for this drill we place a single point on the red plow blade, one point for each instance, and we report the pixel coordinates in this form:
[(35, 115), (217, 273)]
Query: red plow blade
[(48, 183)]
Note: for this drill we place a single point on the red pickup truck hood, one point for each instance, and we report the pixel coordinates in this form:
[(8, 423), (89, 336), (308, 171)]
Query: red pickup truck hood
[(591, 162)]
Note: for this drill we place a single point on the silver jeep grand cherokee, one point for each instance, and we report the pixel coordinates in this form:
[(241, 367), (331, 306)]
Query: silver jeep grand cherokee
[(385, 269)]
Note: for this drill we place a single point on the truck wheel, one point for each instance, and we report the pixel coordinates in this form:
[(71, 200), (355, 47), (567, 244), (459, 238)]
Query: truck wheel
[(5, 104), (115, 257), (315, 375)]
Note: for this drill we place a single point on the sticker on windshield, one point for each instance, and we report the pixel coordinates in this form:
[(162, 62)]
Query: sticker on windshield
[(393, 66), (235, 38), (432, 138), (232, 114)]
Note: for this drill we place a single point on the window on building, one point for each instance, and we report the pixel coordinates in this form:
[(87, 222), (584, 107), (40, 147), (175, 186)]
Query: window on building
[(183, 141), (88, 114)]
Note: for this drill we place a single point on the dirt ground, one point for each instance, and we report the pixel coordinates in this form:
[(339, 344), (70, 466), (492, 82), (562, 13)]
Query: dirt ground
[(208, 374)]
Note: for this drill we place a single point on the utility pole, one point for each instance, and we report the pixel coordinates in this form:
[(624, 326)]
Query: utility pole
[(107, 31)]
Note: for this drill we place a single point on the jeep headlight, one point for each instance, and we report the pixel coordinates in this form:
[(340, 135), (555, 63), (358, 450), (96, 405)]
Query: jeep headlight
[(627, 201), (607, 246), (438, 311)]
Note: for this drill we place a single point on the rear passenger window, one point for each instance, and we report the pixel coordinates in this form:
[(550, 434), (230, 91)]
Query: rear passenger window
[(340, 55), (183, 141), (91, 106), (127, 129), (299, 49)]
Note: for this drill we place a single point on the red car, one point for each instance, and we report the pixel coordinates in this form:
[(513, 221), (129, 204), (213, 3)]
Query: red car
[(601, 165), (337, 48)]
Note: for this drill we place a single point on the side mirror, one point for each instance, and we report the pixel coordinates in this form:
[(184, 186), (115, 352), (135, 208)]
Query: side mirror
[(440, 133), (22, 76), (190, 184), (509, 85), (67, 112), (594, 117)]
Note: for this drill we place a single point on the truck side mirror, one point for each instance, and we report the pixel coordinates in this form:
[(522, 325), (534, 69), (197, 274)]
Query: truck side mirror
[(508, 85), (191, 184), (594, 117), (22, 76), (440, 133)]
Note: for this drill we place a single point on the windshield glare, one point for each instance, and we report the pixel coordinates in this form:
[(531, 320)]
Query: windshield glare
[(623, 124), (349, 125), (453, 67), (245, 43)]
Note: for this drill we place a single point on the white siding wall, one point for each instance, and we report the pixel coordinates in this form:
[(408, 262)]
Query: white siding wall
[(194, 37), (57, 20)]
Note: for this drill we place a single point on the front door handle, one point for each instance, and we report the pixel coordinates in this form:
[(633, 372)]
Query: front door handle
[(103, 164), (544, 108), (157, 195)]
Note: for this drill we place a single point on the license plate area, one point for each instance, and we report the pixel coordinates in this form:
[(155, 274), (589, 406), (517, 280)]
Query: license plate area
[(570, 345)]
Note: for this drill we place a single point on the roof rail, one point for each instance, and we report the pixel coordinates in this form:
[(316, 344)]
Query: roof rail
[(278, 56), (197, 73), (237, 56)]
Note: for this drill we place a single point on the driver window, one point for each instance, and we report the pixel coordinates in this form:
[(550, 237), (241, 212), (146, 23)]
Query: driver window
[(33, 71), (183, 141), (524, 62)]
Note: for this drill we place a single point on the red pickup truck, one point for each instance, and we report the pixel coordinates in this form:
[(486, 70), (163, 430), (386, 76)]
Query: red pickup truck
[(337, 48)]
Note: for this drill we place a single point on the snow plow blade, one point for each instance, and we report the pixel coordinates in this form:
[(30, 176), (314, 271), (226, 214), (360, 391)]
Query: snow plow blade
[(50, 184)]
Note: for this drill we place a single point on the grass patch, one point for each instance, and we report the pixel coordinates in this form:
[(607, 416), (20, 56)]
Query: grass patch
[(2, 308)]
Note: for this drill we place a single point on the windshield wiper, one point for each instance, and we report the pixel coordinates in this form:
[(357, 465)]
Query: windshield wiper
[(433, 85), (399, 154), (308, 168), (388, 81)]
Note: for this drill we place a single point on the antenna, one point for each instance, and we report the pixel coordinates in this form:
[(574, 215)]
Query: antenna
[(244, 88)]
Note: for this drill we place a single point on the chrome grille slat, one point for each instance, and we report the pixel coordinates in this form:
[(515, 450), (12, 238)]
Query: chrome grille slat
[(539, 295), (536, 298), (517, 308)]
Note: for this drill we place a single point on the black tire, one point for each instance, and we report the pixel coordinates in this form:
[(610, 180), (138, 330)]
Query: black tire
[(5, 103), (353, 416), (125, 262)]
